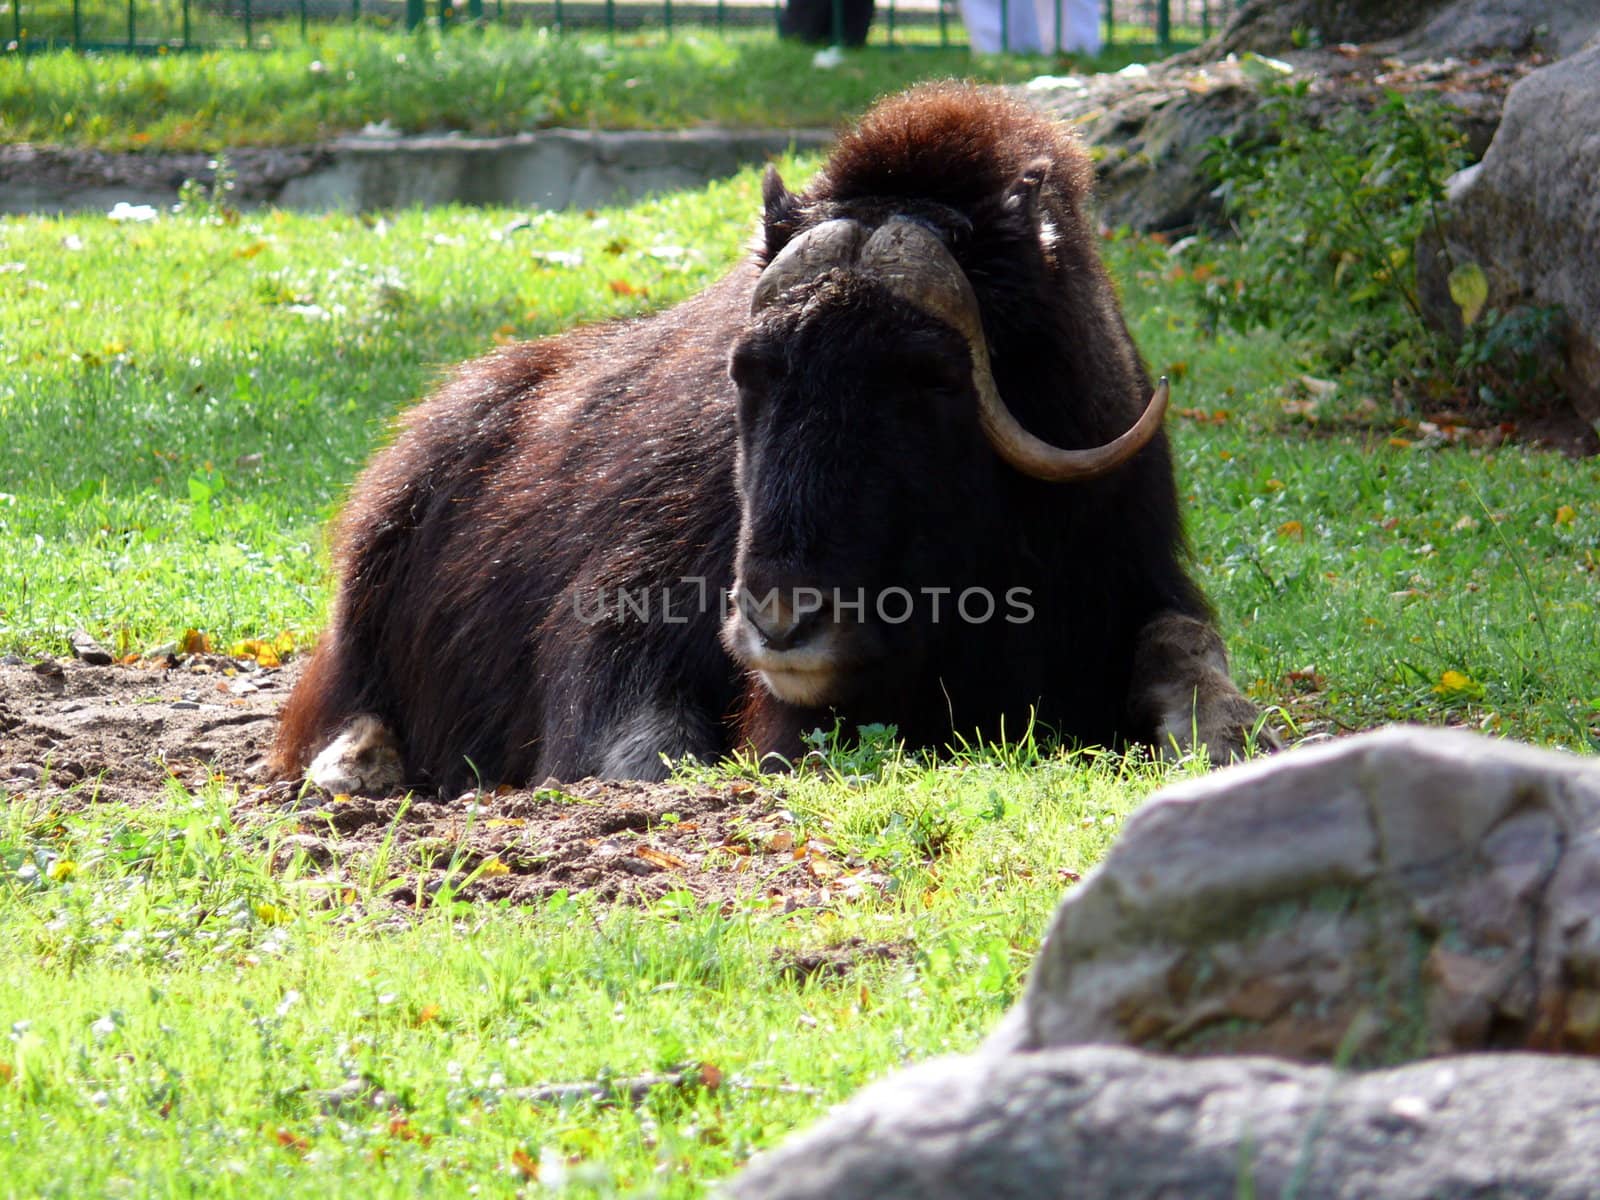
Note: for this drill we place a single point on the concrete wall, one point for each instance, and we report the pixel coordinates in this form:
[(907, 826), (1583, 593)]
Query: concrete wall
[(556, 168)]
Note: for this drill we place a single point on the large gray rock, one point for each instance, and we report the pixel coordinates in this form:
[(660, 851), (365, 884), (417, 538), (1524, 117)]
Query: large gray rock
[(1427, 27), (1554, 27), (1529, 215), (1410, 892), (1106, 1122), (1148, 132), (1275, 26)]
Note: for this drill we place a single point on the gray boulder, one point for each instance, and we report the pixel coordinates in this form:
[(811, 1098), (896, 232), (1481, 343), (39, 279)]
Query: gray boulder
[(1406, 893), (1276, 26), (1529, 216), (1108, 1122), (1148, 132), (1427, 27), (1554, 27)]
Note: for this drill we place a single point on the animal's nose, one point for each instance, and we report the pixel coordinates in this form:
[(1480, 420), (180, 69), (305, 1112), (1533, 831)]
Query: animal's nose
[(782, 617)]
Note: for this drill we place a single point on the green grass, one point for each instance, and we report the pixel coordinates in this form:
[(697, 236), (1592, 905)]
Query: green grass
[(492, 81), (184, 400), (179, 1012)]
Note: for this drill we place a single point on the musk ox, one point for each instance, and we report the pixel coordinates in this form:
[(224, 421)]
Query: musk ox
[(903, 465)]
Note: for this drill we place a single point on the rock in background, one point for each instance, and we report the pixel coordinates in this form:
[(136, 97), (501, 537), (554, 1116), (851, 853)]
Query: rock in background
[(1466, 27), (1528, 217), (1428, 27), (1407, 893)]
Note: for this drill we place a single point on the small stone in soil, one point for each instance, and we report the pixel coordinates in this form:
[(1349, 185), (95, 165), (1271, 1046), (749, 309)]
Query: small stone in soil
[(88, 650)]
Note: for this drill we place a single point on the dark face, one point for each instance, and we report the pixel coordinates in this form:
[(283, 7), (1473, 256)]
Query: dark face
[(861, 471)]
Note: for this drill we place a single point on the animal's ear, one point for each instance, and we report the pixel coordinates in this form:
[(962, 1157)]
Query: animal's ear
[(780, 211), (1022, 197)]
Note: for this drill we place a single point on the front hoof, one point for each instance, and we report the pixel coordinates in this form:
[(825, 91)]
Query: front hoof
[(364, 758)]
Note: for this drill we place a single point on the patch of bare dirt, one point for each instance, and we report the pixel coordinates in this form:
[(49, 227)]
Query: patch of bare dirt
[(616, 840), (74, 735), (78, 734)]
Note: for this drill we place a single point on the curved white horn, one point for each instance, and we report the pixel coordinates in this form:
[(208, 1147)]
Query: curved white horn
[(912, 262)]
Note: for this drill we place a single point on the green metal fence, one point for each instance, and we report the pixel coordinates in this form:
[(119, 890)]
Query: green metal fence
[(169, 26)]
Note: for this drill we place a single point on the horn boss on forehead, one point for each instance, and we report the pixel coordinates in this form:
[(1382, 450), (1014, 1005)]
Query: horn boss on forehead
[(831, 244), (869, 503), (911, 261)]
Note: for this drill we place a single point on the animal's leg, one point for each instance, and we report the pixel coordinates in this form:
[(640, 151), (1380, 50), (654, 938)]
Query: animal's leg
[(1183, 697), (643, 742), (365, 758)]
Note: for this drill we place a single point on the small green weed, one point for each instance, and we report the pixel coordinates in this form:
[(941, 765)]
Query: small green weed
[(1512, 356), (1327, 216)]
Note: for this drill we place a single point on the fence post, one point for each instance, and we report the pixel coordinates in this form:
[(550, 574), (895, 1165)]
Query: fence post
[(186, 29), (77, 24), (416, 14), (838, 22), (1005, 26), (475, 10), (130, 23), (302, 20), (1164, 24), (249, 26)]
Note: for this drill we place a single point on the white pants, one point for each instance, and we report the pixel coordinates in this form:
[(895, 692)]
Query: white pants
[(1033, 25)]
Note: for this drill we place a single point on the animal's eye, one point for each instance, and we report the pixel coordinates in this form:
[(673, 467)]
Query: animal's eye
[(935, 372), (751, 368)]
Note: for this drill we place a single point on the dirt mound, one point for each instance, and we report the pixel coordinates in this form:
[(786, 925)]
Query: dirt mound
[(73, 736)]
